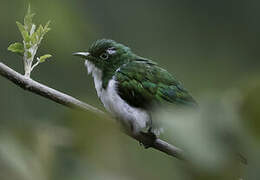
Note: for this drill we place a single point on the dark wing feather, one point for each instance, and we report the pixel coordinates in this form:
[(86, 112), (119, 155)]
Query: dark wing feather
[(142, 83)]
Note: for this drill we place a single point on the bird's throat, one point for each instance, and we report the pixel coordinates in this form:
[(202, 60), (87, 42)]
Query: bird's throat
[(90, 67), (96, 74)]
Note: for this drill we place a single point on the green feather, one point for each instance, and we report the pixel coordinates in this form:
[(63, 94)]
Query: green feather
[(143, 83)]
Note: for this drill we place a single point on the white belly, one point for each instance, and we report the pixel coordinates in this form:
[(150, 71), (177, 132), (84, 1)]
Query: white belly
[(134, 119)]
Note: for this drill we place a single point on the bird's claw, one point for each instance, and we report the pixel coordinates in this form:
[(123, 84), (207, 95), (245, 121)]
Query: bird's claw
[(151, 136)]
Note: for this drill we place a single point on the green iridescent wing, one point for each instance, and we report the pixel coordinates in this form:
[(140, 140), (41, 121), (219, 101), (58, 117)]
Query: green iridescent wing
[(142, 83)]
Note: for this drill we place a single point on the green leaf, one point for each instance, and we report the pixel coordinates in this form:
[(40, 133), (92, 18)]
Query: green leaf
[(43, 58), (28, 19), (38, 35), (23, 31), (16, 48), (35, 37), (46, 27), (28, 45), (43, 30), (29, 55)]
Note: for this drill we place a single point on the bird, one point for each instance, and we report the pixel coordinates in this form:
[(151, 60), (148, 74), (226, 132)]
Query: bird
[(131, 87)]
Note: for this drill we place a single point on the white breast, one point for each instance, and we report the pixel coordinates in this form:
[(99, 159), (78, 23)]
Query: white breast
[(134, 119)]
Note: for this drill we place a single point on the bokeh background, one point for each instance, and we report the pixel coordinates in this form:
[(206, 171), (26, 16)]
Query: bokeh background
[(211, 46)]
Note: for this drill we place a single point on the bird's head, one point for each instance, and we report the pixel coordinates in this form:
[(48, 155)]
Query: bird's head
[(106, 54)]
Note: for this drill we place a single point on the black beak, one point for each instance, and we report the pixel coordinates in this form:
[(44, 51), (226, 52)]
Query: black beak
[(81, 54)]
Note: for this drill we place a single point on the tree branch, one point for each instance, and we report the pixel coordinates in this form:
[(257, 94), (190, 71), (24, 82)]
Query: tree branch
[(66, 100)]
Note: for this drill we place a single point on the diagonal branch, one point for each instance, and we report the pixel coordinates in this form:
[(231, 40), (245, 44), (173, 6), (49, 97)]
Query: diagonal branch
[(71, 102)]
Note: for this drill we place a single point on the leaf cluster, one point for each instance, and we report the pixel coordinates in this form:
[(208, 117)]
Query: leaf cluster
[(32, 37)]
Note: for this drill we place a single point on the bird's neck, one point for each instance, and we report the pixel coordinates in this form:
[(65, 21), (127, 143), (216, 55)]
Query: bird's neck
[(101, 78)]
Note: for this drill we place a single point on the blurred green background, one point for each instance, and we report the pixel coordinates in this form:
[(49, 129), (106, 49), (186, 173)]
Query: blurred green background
[(211, 46)]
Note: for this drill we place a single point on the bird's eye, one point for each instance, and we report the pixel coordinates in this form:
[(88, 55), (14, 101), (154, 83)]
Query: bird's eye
[(104, 56)]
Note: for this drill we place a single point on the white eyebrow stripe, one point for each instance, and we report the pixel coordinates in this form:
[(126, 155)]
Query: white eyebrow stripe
[(111, 51)]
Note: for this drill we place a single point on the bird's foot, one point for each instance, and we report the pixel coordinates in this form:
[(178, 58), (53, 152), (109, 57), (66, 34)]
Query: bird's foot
[(150, 138)]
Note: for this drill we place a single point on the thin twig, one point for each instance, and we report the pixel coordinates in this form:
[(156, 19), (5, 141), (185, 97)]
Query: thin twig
[(71, 102), (36, 64)]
